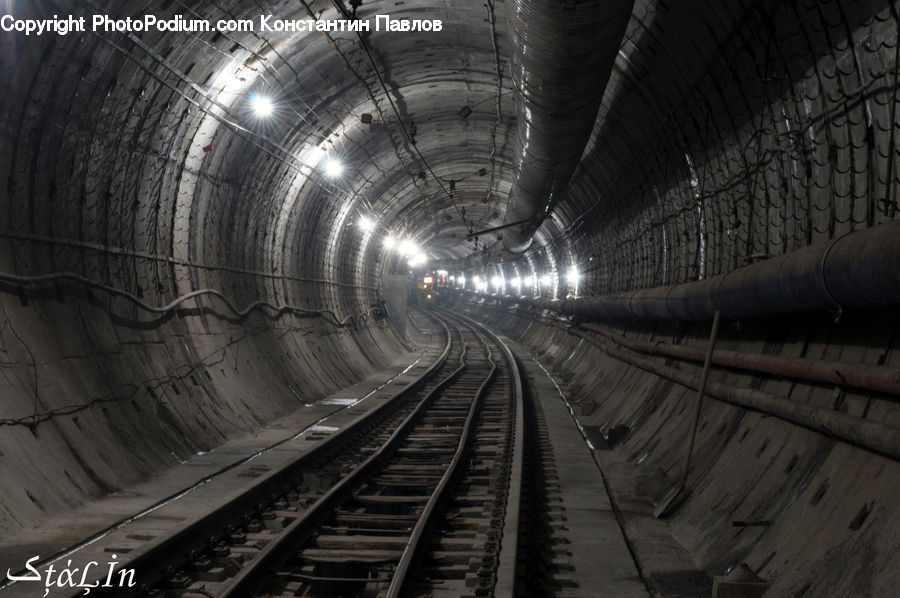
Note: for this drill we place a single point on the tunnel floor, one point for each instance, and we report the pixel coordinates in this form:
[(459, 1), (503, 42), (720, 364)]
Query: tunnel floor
[(128, 521), (583, 531), (217, 238), (612, 540)]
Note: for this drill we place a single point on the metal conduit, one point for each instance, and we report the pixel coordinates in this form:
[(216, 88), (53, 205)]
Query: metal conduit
[(871, 435), (858, 270), (880, 378), (563, 54), (868, 434)]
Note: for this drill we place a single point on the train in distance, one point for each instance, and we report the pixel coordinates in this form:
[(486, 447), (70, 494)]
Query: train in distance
[(430, 286)]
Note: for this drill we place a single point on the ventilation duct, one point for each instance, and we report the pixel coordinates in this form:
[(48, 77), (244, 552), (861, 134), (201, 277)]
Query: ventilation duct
[(563, 54)]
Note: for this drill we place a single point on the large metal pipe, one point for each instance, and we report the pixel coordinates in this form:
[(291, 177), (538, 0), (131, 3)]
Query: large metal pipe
[(872, 435), (563, 54), (866, 433), (862, 432), (858, 270), (880, 378)]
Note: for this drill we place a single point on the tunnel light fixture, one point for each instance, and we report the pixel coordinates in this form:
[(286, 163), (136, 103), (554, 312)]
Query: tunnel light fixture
[(365, 223), (497, 282), (573, 276), (528, 281), (262, 105), (461, 281), (407, 248), (417, 259), (546, 280), (517, 282), (333, 167), (389, 242)]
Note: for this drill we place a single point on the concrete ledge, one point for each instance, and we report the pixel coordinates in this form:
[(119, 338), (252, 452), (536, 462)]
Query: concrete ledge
[(129, 522)]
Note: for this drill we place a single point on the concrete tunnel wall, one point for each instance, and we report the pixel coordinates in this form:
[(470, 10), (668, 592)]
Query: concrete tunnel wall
[(822, 513), (105, 176), (730, 131)]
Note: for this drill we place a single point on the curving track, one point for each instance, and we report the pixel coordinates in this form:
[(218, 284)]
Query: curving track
[(419, 499)]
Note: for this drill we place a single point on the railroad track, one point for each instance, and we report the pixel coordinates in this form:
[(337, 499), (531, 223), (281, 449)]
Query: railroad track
[(421, 499)]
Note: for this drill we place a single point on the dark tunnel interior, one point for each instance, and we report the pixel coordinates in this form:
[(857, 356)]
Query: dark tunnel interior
[(184, 264)]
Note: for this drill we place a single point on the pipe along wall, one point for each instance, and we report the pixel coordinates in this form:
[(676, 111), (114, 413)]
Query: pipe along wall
[(804, 435), (814, 464), (857, 270)]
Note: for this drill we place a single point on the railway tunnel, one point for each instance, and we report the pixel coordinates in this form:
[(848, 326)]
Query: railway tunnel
[(680, 218)]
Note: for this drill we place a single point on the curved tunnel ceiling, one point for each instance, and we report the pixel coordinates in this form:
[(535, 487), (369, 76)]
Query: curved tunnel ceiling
[(167, 116), (683, 121), (730, 131), (727, 133)]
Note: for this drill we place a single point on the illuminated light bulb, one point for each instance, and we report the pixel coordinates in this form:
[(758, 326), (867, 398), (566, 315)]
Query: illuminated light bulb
[(366, 223), (333, 168), (546, 280), (498, 281), (262, 106), (573, 276), (389, 242)]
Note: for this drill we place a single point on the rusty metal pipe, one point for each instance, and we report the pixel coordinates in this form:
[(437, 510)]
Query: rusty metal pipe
[(868, 434), (862, 432), (879, 378), (859, 270)]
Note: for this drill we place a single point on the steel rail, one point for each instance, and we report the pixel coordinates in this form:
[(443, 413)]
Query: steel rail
[(507, 560), (299, 530), (414, 545), (154, 563)]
